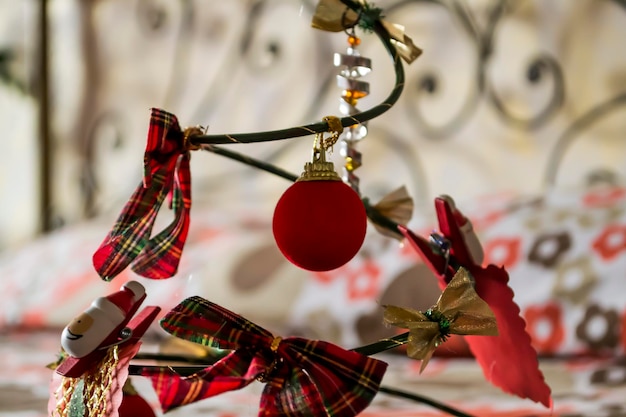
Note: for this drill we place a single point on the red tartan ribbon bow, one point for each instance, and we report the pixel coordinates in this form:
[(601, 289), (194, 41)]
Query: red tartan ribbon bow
[(166, 172), (303, 377)]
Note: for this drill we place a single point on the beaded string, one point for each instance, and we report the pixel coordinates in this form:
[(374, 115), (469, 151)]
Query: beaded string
[(352, 67)]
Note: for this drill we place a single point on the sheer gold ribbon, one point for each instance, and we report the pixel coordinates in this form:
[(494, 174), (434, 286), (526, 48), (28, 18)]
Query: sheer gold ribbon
[(459, 310), (334, 16), (396, 206)]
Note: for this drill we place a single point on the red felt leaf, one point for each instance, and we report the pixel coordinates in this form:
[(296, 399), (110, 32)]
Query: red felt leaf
[(508, 360)]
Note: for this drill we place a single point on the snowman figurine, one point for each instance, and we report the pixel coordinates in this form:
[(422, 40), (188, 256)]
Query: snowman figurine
[(94, 326)]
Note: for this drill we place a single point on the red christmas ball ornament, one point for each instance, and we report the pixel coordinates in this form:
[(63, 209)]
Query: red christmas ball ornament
[(319, 223)]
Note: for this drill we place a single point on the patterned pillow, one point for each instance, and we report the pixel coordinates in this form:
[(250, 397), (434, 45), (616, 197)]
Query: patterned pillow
[(565, 253), (566, 256)]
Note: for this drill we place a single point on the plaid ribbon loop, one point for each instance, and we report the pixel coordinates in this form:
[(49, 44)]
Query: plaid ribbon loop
[(166, 173), (303, 377)]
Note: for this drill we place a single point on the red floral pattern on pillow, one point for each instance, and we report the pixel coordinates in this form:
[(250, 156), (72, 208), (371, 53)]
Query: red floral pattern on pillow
[(611, 242), (545, 340), (503, 251), (604, 196)]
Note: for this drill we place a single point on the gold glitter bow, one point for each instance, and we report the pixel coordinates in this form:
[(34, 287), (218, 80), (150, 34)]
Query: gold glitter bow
[(459, 310), (334, 16)]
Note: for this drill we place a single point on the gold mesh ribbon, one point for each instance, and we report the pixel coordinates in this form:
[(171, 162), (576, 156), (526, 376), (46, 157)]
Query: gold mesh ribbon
[(95, 386), (334, 16), (459, 310)]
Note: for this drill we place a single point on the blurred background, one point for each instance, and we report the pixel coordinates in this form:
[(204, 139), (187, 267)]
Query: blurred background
[(484, 108), (516, 108)]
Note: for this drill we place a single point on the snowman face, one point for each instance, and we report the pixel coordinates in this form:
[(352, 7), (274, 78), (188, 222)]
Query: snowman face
[(88, 331), (79, 326)]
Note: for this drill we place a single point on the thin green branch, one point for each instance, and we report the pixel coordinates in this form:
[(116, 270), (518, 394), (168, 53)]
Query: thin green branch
[(263, 166), (383, 345), (320, 127), (424, 400)]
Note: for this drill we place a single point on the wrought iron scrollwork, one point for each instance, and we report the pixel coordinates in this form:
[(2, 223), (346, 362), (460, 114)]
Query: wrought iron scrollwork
[(585, 121), (539, 69)]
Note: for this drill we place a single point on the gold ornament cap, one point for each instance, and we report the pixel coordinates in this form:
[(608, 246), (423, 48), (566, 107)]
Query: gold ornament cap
[(319, 169)]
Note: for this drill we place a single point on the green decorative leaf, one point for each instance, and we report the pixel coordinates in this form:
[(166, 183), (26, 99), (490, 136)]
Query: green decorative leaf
[(77, 401)]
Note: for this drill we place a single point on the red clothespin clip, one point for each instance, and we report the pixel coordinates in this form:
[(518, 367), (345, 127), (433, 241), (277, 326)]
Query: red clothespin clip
[(455, 245), (107, 322)]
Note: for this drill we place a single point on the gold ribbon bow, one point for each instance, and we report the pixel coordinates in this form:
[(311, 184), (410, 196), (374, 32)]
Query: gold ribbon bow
[(396, 206), (334, 16), (459, 310)]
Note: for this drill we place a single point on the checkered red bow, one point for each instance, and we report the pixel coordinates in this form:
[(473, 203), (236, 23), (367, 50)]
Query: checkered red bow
[(166, 171), (303, 377)]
